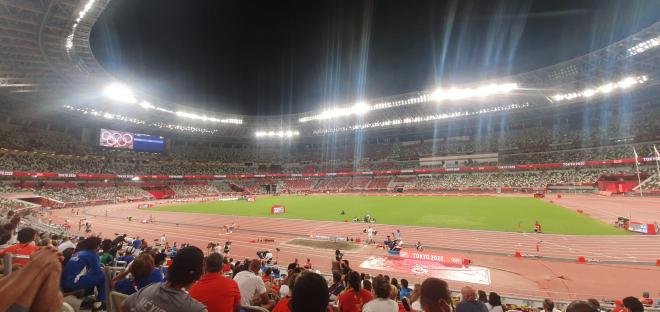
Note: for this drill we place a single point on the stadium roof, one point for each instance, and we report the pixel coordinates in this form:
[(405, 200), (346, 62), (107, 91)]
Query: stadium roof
[(45, 59)]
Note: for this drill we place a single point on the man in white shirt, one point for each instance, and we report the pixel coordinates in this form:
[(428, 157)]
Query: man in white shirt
[(252, 288), (163, 240), (370, 236), (66, 244), (381, 301), (217, 248)]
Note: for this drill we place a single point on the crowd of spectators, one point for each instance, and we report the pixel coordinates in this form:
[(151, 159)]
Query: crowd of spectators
[(37, 162), (653, 184), (166, 277), (83, 194), (522, 179), (295, 185), (491, 180), (30, 138), (7, 204), (191, 190), (34, 149)]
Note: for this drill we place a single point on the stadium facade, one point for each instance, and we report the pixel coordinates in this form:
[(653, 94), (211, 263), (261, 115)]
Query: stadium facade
[(51, 81)]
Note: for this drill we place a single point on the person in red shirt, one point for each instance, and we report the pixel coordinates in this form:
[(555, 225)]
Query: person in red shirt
[(354, 297), (25, 246), (226, 267), (283, 304), (537, 227), (618, 306), (216, 292), (646, 298)]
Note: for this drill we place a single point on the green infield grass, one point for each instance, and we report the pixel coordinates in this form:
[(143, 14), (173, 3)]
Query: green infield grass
[(511, 214)]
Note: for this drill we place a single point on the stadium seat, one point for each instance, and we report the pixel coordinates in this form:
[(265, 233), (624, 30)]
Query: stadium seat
[(117, 299)]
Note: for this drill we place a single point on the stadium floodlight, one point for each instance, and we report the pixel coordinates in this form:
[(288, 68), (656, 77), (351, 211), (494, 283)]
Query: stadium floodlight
[(420, 119), (588, 92), (454, 94), (81, 14), (206, 118), (120, 93), (644, 46), (282, 134), (359, 108), (438, 95), (604, 89), (626, 83), (7, 85), (146, 105), (106, 115)]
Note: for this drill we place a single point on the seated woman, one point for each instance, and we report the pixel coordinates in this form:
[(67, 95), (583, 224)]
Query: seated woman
[(108, 252), (85, 259), (143, 273)]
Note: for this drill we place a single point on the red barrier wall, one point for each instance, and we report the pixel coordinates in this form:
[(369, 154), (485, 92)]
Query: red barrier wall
[(161, 193), (617, 186)]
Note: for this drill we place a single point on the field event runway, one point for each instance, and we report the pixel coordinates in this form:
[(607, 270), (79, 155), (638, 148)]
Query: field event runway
[(535, 277)]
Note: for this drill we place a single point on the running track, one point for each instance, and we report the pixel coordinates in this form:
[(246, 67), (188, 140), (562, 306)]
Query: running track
[(525, 277)]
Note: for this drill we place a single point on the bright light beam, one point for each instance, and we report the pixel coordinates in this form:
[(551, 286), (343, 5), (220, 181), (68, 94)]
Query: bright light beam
[(120, 93)]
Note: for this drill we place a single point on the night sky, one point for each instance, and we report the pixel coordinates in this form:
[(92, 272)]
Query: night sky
[(280, 57)]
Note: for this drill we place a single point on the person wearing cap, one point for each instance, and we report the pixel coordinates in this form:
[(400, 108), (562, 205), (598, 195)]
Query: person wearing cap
[(186, 269), (646, 300), (66, 244), (618, 306)]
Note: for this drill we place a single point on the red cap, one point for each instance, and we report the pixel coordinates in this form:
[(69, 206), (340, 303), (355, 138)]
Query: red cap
[(618, 302)]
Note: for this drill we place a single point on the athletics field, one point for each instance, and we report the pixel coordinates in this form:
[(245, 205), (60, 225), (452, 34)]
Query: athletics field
[(511, 214)]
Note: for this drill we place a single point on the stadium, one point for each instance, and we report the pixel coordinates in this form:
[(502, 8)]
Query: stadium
[(540, 186)]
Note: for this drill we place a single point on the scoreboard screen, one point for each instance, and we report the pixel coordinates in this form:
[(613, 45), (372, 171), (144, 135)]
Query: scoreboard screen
[(132, 141)]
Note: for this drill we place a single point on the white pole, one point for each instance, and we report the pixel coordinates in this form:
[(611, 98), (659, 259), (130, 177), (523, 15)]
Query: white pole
[(657, 159), (639, 180)]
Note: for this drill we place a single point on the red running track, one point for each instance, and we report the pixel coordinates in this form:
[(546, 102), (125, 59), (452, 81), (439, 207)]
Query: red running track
[(538, 277)]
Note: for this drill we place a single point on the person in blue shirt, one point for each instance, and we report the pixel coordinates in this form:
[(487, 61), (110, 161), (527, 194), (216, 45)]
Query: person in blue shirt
[(159, 262), (128, 258), (86, 257), (173, 250), (137, 243), (143, 273), (405, 290)]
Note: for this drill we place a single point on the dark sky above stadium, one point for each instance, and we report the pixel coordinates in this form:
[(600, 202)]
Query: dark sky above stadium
[(286, 56)]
